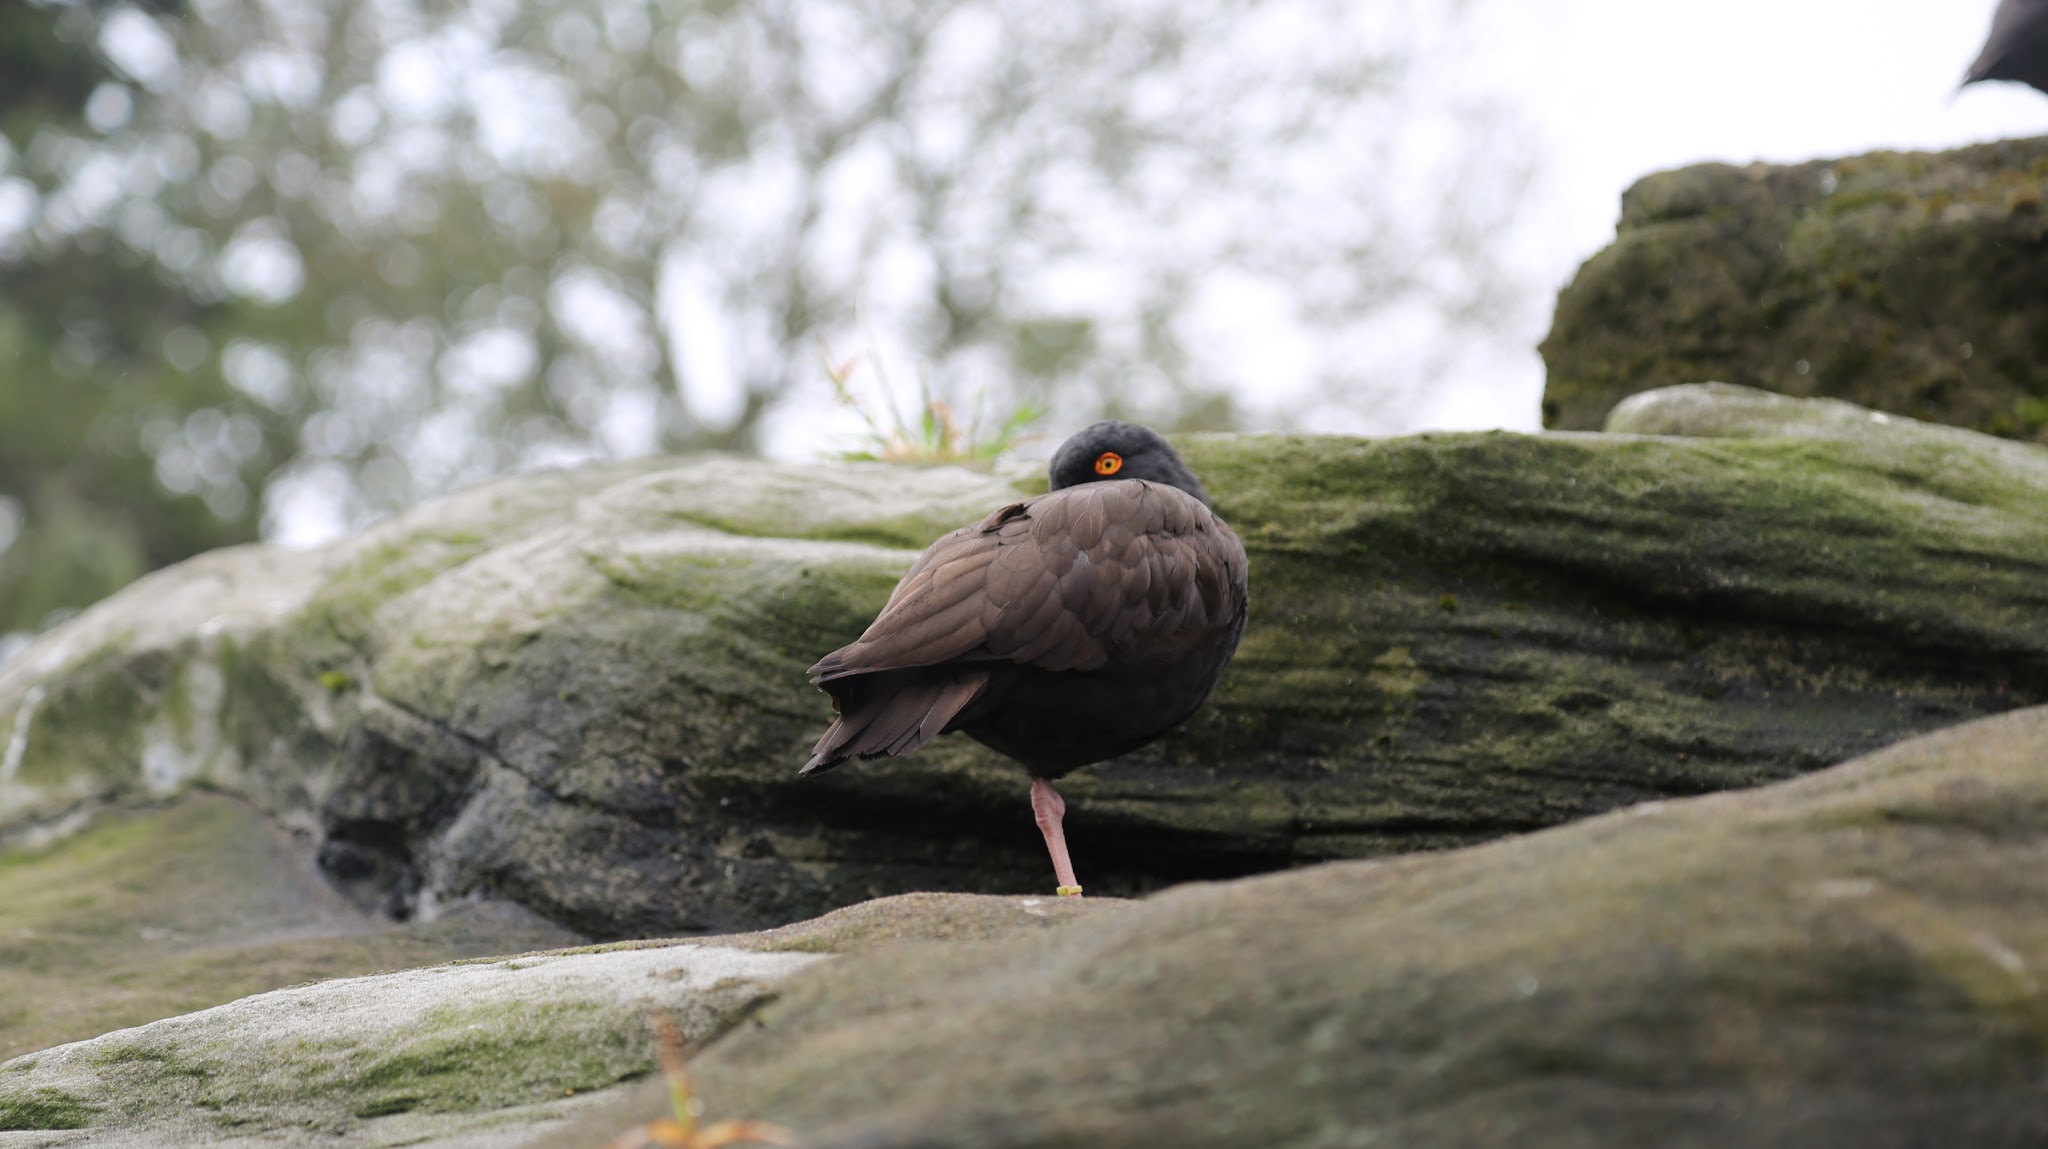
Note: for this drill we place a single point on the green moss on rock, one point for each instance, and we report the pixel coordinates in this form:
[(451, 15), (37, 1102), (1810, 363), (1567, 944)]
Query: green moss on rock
[(146, 914), (1908, 283), (43, 1109), (1843, 960), (465, 1040), (582, 698)]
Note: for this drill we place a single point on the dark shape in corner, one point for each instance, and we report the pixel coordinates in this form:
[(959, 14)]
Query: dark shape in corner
[(2017, 48)]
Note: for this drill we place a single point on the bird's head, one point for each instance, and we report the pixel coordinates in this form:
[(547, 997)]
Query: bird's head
[(1113, 449)]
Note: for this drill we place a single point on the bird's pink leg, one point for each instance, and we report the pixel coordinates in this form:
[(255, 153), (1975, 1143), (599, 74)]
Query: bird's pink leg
[(1049, 807)]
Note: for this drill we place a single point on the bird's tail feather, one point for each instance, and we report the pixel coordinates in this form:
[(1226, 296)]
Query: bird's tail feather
[(888, 716)]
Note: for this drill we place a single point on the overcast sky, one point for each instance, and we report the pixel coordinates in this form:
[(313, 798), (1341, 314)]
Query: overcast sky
[(1620, 88)]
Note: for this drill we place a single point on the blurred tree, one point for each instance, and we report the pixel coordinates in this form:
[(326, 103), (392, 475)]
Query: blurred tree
[(327, 258), (82, 340)]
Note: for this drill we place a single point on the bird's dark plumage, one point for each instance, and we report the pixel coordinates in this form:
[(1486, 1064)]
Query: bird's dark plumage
[(1062, 630), (2017, 48)]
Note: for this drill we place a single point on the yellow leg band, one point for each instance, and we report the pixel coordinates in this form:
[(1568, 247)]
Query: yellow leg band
[(1070, 891)]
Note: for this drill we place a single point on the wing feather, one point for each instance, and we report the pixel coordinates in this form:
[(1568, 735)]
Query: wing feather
[(1064, 581), (895, 717), (934, 614)]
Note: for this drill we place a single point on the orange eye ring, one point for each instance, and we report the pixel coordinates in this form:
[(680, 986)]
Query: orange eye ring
[(1109, 463)]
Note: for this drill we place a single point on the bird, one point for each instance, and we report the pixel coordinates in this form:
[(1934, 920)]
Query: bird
[(2017, 48), (1060, 631)]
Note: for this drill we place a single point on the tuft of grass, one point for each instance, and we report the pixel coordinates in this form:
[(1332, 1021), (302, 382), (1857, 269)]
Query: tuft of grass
[(935, 435), (681, 1131)]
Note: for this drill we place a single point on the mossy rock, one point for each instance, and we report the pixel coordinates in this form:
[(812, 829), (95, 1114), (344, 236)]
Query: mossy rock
[(468, 1054), (1905, 282), (145, 914), (1850, 959), (584, 692), (499, 1048), (1846, 959)]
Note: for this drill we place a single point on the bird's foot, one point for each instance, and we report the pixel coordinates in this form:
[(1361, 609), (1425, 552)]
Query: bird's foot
[(1049, 808)]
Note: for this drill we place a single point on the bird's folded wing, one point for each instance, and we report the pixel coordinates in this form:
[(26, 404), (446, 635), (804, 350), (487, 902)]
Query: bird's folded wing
[(1061, 582), (933, 616)]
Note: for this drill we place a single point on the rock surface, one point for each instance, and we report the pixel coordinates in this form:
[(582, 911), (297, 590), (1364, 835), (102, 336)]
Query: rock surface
[(479, 1054), (584, 692), (1910, 283), (493, 1042), (147, 914), (1850, 959)]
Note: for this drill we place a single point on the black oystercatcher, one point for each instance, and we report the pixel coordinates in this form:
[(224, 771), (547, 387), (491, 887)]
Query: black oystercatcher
[(1061, 631), (2017, 48)]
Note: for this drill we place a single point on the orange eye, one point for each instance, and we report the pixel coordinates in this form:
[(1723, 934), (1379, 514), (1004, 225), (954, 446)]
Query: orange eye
[(1109, 463)]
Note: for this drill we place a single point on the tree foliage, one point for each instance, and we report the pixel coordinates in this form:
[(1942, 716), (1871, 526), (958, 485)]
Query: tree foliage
[(84, 383), (312, 260)]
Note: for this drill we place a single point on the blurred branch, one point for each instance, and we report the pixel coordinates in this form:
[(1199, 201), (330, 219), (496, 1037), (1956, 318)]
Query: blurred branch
[(321, 261)]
